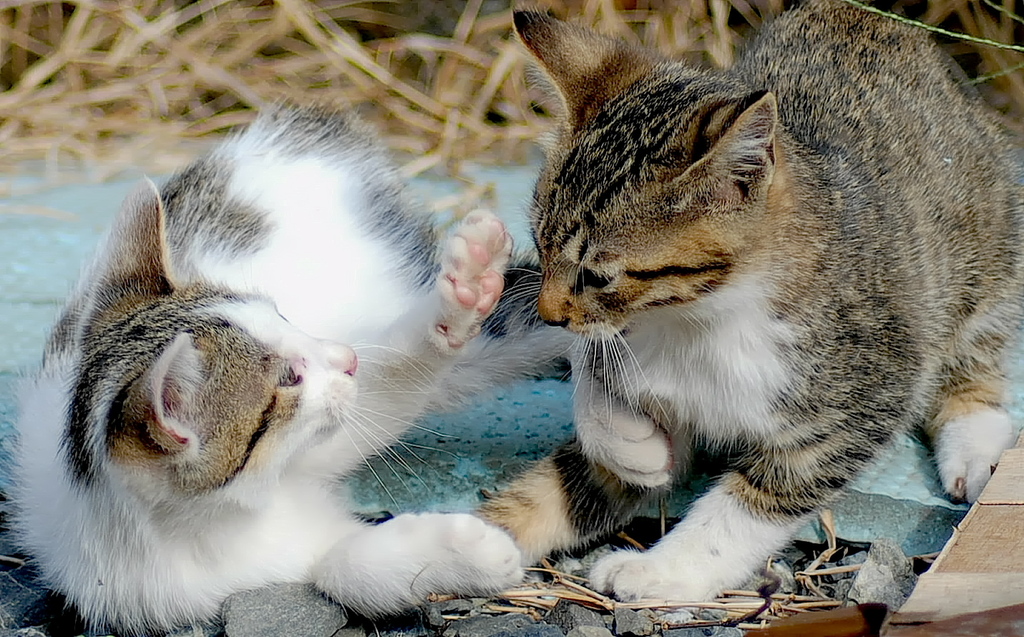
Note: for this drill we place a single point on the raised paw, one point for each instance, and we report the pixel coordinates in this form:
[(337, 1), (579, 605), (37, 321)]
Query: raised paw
[(967, 449), (631, 576), (472, 276)]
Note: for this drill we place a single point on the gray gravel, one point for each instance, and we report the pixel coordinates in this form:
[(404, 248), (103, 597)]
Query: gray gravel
[(568, 616), (22, 602), (296, 610), (886, 576)]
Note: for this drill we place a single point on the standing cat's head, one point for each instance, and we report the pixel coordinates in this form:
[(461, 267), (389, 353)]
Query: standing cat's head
[(182, 390), (654, 182)]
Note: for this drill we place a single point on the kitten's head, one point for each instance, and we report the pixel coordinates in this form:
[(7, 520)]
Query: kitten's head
[(185, 389), (654, 183)]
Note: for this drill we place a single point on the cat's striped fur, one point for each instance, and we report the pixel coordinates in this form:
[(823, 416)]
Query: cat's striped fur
[(794, 259)]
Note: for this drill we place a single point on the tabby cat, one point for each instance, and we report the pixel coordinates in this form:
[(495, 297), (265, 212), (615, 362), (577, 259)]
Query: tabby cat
[(792, 261), (196, 406)]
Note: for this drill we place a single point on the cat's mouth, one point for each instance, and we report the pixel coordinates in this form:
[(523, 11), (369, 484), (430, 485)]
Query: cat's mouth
[(599, 331)]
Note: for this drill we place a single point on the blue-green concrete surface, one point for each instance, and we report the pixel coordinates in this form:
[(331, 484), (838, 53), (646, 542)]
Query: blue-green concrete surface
[(445, 462)]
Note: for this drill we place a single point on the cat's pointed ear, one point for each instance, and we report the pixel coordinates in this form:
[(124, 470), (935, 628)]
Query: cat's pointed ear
[(137, 254), (586, 68), (174, 386), (742, 160)]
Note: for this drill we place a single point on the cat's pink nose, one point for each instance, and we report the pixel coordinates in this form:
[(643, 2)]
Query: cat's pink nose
[(343, 357)]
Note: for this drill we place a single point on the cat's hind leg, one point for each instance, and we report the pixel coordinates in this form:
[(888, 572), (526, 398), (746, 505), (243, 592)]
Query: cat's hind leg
[(971, 428), (563, 502), (393, 566)]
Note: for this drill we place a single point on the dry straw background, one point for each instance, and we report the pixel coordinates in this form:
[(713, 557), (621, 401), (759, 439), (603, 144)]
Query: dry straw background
[(118, 84)]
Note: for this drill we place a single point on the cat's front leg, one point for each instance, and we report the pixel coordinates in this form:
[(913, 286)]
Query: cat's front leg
[(472, 276), (720, 543), (621, 438), (393, 566), (400, 376)]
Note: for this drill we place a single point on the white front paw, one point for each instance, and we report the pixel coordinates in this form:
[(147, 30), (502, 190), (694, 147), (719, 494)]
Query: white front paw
[(968, 448), (631, 576), (489, 553), (629, 445), (472, 276)]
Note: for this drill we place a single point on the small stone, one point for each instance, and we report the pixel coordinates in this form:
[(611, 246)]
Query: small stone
[(677, 617), (198, 630), (631, 623), (854, 558), (589, 631), (296, 610), (784, 571), (539, 629), (23, 632), (712, 614), (351, 631), (22, 601), (434, 612), (567, 616), (706, 631), (486, 625), (404, 625), (886, 577)]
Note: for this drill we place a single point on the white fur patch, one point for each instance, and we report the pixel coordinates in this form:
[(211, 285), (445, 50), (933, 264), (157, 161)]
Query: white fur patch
[(327, 274), (718, 545), (392, 566), (716, 365)]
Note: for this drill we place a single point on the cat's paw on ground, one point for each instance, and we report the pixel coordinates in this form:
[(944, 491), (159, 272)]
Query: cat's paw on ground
[(631, 576), (486, 549), (472, 275), (968, 448)]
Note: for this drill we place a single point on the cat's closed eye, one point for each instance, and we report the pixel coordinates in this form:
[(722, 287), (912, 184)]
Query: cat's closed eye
[(590, 279)]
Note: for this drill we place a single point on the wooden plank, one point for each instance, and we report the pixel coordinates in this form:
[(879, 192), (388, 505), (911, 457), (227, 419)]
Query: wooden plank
[(1000, 622), (990, 540), (1007, 484), (941, 596)]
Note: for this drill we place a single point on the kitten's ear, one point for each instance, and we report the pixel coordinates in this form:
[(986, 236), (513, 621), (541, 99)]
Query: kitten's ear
[(586, 68), (174, 386), (743, 157), (137, 255)]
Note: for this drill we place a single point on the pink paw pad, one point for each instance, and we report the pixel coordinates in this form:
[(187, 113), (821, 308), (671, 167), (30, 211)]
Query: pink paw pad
[(472, 275)]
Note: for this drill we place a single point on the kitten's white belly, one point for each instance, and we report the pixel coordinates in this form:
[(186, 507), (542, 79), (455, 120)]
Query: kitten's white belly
[(328, 276), (719, 376)]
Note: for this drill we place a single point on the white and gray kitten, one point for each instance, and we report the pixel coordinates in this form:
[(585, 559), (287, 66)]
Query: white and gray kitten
[(196, 405)]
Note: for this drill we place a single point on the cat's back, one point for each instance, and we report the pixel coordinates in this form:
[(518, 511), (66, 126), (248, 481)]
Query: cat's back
[(920, 177), (303, 206), (853, 82)]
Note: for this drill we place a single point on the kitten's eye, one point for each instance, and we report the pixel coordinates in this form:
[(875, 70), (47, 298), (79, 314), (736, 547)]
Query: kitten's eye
[(290, 378), (590, 279)]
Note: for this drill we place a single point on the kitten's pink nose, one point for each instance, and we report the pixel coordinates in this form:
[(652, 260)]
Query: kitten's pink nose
[(344, 358)]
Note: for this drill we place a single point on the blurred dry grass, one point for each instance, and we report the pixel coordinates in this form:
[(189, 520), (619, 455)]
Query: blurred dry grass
[(125, 82)]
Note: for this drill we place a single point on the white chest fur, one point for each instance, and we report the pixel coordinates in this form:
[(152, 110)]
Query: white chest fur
[(717, 367)]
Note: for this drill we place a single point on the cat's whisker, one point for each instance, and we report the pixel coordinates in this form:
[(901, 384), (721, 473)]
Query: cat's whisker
[(407, 423), (388, 451), (366, 462)]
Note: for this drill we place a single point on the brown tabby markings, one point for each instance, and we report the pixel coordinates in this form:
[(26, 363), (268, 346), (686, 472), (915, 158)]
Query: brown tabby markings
[(133, 322), (866, 192)]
